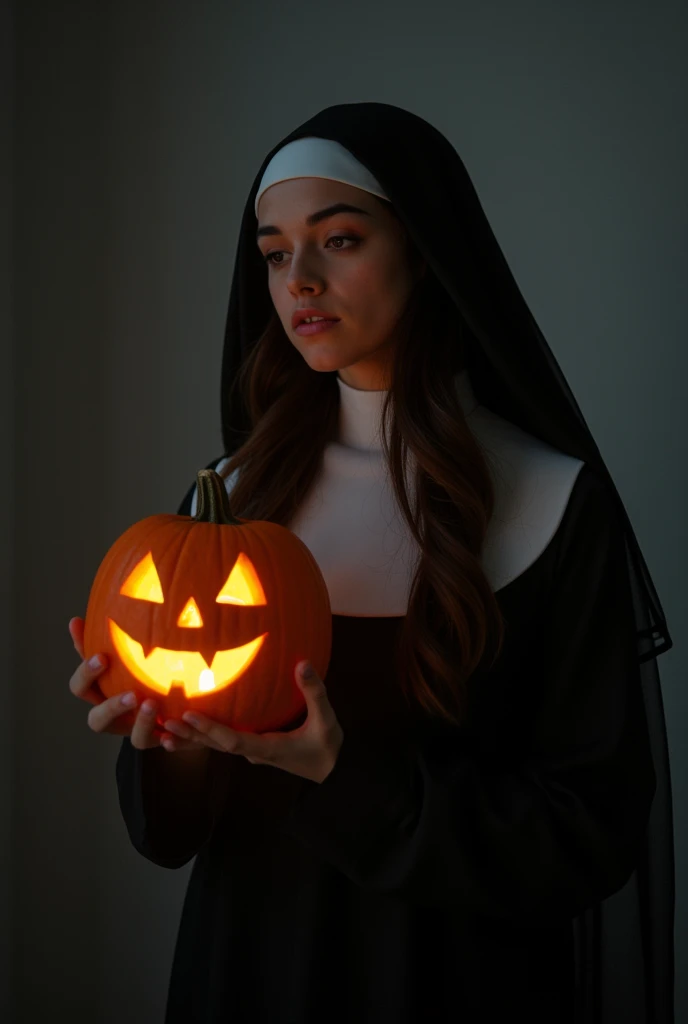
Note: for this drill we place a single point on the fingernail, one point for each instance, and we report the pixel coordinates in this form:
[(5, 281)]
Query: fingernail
[(148, 707), (128, 699), (96, 661)]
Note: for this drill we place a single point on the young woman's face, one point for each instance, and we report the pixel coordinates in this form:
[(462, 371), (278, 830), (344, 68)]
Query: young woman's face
[(364, 279)]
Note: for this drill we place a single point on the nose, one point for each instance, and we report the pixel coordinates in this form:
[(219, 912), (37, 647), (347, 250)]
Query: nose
[(304, 273)]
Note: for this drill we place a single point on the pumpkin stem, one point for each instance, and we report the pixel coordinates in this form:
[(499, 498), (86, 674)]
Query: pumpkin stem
[(213, 501)]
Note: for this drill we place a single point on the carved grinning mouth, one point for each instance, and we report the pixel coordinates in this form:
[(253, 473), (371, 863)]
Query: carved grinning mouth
[(162, 667)]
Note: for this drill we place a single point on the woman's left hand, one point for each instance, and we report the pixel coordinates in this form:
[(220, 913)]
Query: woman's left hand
[(310, 751)]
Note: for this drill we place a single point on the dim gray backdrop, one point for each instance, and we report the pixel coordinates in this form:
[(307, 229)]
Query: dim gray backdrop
[(131, 133)]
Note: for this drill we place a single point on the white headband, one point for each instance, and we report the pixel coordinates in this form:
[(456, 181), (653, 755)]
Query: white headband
[(312, 157)]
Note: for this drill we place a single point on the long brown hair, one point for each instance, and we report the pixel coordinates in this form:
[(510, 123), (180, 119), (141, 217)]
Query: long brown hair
[(453, 622)]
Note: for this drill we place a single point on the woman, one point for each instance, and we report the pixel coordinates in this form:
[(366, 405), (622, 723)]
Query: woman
[(470, 819)]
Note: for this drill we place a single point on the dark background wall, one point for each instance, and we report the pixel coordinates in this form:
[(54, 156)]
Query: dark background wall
[(129, 138)]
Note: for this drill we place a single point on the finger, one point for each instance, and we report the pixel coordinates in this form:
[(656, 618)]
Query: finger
[(82, 681), (175, 733), (264, 748), (178, 728), (173, 744), (104, 714), (142, 733), (216, 734), (76, 631), (184, 733), (315, 692)]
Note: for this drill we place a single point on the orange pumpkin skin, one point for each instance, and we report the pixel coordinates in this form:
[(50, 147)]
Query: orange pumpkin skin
[(212, 613)]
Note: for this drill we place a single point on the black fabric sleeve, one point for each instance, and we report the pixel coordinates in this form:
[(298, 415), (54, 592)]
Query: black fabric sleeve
[(158, 798), (166, 820), (545, 837)]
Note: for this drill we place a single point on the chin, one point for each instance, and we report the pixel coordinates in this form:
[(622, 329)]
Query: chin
[(325, 364), (320, 357)]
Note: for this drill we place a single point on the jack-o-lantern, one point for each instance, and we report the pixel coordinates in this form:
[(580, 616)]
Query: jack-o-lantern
[(210, 612)]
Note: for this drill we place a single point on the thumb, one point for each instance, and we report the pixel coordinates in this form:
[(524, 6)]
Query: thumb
[(315, 692)]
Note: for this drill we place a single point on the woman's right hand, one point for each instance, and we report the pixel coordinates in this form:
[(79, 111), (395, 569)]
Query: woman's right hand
[(108, 714)]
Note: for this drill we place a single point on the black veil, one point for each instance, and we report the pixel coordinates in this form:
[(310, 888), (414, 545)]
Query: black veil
[(624, 945)]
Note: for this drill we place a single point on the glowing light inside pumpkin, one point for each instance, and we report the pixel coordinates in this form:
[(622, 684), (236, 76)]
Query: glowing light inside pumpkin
[(143, 582), (243, 585), (190, 617), (163, 667), (206, 681)]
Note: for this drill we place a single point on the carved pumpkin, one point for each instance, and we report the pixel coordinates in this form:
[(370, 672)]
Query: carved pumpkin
[(210, 612)]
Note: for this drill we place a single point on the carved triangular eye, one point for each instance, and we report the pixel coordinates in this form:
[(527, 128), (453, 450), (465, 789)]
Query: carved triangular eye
[(143, 582), (243, 585), (190, 616)]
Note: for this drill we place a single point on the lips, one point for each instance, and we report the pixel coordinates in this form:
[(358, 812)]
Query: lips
[(303, 314)]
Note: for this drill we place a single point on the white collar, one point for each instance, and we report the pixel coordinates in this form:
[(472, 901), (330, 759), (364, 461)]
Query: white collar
[(360, 413), (353, 527)]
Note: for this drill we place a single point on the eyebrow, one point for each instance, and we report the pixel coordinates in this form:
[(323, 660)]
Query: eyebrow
[(315, 218)]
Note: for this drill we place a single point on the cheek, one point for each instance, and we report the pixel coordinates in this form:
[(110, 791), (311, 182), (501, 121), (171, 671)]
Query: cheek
[(367, 289), (385, 275), (380, 295)]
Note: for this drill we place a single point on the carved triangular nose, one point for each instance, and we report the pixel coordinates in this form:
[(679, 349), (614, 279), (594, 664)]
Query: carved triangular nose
[(190, 616)]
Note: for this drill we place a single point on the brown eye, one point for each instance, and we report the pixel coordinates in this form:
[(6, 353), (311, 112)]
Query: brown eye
[(277, 252)]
